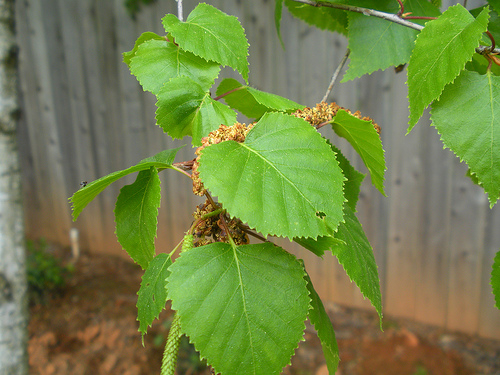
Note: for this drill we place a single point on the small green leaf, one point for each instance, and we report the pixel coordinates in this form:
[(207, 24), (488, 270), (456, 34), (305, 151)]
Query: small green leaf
[(243, 307), (283, 180), (387, 43), (152, 296), (127, 56), (467, 116), (212, 35), (354, 253), (136, 214), (365, 140), (441, 51), (157, 61), (185, 108), (84, 196), (323, 18), (252, 102), (321, 321), (495, 279), (278, 10), (353, 181)]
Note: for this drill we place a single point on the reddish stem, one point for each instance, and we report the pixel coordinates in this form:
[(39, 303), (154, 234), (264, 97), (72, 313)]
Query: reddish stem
[(492, 40), (229, 92), (401, 8)]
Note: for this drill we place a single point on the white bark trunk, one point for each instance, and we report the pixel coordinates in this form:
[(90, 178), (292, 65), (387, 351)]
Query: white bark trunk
[(13, 285)]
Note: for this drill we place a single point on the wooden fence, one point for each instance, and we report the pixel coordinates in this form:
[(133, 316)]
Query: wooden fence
[(84, 116)]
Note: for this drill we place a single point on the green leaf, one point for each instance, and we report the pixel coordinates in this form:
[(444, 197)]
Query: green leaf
[(467, 116), (374, 50), (84, 196), (157, 61), (365, 140), (441, 51), (495, 4), (127, 56), (278, 10), (136, 215), (185, 108), (354, 253), (321, 321), (252, 102), (283, 180), (323, 18), (243, 307), (495, 279), (353, 181), (152, 296), (212, 35)]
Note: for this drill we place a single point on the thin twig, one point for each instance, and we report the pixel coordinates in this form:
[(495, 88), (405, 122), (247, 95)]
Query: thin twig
[(366, 11), (335, 75), (179, 10), (386, 16)]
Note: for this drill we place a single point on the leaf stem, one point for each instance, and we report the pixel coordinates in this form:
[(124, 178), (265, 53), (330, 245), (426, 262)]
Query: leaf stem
[(203, 218), (176, 168), (229, 92), (335, 75)]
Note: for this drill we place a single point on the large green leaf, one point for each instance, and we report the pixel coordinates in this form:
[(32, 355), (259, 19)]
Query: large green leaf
[(84, 196), (323, 18), (243, 307), (495, 279), (212, 35), (321, 321), (467, 117), (354, 253), (374, 50), (365, 140), (157, 61), (185, 108), (495, 4), (136, 215), (152, 296), (284, 180), (441, 51), (251, 102)]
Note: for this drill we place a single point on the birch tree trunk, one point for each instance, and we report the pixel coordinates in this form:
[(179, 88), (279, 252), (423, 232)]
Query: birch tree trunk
[(13, 284)]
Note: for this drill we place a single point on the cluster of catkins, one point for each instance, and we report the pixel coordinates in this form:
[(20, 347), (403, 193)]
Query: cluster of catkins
[(211, 229)]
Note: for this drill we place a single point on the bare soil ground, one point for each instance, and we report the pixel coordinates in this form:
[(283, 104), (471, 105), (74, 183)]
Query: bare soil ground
[(91, 328)]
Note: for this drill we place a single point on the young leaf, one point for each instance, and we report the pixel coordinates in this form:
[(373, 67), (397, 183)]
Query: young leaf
[(376, 49), (127, 56), (495, 279), (441, 51), (152, 296), (479, 146), (84, 196), (283, 180), (157, 61), (243, 307), (365, 140), (321, 321), (278, 9), (323, 18), (136, 214), (212, 35), (252, 102), (185, 108)]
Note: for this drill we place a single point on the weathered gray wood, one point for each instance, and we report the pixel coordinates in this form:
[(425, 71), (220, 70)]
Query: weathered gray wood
[(86, 116)]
